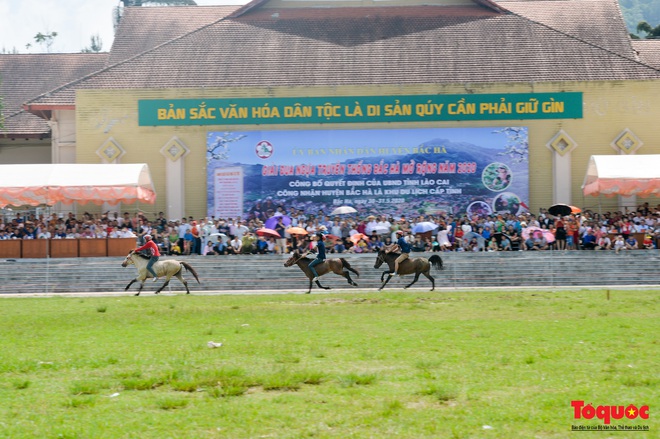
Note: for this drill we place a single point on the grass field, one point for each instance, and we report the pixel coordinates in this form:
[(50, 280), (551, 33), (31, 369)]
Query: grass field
[(498, 364)]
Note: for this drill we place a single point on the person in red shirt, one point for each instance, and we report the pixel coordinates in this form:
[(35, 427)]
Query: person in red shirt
[(155, 254)]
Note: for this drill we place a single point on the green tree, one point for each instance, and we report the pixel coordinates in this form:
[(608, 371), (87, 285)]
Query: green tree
[(651, 32), (44, 40), (95, 46)]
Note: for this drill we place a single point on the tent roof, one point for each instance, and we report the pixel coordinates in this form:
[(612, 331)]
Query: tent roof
[(35, 185), (612, 175)]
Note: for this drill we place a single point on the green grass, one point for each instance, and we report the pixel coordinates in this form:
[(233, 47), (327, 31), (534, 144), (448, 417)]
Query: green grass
[(500, 364)]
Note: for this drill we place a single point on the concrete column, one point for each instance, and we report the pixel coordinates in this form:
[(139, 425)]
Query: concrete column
[(175, 152)]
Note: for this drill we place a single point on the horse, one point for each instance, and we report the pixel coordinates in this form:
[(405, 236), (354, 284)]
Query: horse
[(167, 268), (414, 266), (338, 266)]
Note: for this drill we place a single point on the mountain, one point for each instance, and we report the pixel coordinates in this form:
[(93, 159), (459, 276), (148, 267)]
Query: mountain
[(635, 11)]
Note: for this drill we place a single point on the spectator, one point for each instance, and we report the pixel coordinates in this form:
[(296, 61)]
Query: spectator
[(631, 243), (589, 240), (604, 243), (220, 247), (619, 244), (235, 246)]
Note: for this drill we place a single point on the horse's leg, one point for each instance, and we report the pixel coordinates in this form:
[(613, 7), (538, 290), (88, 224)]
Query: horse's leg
[(140, 289), (179, 276), (129, 284), (347, 275), (429, 277), (167, 282), (382, 276), (386, 281), (310, 286), (321, 286), (414, 280)]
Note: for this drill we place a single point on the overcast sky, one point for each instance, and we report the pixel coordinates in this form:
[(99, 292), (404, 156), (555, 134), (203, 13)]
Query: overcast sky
[(75, 21)]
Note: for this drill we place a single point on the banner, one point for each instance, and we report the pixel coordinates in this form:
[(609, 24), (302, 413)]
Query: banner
[(359, 109), (394, 172)]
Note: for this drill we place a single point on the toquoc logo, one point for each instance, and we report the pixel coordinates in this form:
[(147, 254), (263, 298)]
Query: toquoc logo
[(608, 412)]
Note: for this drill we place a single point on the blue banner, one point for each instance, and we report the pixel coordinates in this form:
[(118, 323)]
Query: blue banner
[(387, 171)]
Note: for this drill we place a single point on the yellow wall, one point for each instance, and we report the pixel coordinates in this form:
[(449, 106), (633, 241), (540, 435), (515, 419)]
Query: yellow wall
[(609, 108)]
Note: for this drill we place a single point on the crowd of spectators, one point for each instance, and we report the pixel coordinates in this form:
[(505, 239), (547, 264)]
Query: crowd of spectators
[(615, 231)]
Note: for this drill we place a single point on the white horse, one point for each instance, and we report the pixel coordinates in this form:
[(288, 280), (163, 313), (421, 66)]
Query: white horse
[(167, 269)]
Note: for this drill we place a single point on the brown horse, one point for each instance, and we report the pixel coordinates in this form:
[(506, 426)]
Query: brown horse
[(338, 266), (414, 266), (167, 268)]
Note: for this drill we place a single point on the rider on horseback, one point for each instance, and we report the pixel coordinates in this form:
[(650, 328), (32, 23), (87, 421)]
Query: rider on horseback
[(154, 254), (320, 256), (404, 246)]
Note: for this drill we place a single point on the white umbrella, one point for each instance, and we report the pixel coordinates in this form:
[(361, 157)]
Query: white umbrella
[(423, 227), (222, 235), (342, 210)]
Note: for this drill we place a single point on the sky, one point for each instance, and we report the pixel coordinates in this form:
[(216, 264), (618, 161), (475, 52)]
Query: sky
[(75, 21)]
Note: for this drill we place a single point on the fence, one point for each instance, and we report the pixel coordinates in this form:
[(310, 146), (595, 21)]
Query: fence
[(65, 248)]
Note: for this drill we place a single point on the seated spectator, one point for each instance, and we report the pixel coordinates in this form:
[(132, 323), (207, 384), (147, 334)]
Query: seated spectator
[(220, 247), (419, 245), (505, 244), (209, 250), (604, 243), (537, 242), (631, 243), (235, 246), (261, 245), (589, 240), (492, 246), (175, 249), (648, 242), (619, 244), (339, 247)]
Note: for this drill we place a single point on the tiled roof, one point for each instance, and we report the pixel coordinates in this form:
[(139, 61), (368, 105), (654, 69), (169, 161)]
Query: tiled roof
[(387, 45), (648, 51), (22, 77), (141, 28), (597, 22)]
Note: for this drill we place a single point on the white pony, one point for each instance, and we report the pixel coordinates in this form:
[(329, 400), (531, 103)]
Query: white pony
[(167, 268)]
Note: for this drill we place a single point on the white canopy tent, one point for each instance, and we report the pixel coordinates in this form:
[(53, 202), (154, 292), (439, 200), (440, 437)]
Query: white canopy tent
[(44, 184), (628, 175)]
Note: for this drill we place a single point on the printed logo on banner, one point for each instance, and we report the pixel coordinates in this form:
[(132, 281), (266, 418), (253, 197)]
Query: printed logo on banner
[(264, 149)]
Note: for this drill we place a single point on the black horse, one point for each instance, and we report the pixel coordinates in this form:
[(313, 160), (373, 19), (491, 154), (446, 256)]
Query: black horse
[(338, 266), (414, 266)]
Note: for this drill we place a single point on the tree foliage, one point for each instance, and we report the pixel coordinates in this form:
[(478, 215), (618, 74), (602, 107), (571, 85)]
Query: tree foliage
[(95, 45), (637, 11), (46, 39), (651, 32)]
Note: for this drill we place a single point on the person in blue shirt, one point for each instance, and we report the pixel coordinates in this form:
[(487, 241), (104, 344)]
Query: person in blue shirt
[(400, 244), (320, 255)]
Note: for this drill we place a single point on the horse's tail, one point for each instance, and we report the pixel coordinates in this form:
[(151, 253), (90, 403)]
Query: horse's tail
[(346, 265), (436, 262), (190, 269)]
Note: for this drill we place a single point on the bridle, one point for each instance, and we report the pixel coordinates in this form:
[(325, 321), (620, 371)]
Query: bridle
[(379, 260), (293, 260)]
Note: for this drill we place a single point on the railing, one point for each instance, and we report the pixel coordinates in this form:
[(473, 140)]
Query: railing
[(65, 248)]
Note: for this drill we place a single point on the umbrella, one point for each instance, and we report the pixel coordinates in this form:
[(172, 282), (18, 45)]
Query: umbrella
[(222, 235), (265, 231), (296, 231), (481, 241), (423, 227), (379, 229), (358, 236), (272, 221), (333, 238), (528, 232), (342, 210), (563, 209)]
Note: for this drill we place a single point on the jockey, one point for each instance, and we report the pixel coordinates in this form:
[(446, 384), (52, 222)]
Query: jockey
[(320, 257), (154, 254), (402, 244)]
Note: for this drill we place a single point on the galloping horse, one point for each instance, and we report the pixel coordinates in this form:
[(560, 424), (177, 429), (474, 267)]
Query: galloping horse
[(338, 266), (414, 266), (167, 268)]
